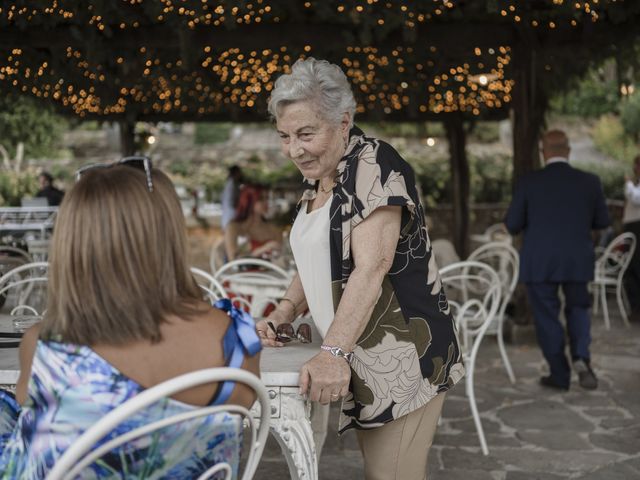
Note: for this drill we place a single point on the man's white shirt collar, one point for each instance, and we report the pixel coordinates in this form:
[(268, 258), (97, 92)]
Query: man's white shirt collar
[(557, 160)]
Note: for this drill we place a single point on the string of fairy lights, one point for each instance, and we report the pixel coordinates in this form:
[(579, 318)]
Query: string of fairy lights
[(152, 80)]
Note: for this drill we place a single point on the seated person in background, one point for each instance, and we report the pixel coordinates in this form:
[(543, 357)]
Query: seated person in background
[(124, 313), (47, 190), (265, 238)]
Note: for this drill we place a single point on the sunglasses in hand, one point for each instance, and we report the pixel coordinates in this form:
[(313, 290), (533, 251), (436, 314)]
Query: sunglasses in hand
[(285, 332)]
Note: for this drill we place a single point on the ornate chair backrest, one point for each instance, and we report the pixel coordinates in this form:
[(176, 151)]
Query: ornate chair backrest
[(473, 291), (504, 259), (253, 284), (616, 257), (26, 285), (212, 288)]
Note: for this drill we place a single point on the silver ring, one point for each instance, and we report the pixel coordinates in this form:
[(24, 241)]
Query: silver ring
[(335, 395)]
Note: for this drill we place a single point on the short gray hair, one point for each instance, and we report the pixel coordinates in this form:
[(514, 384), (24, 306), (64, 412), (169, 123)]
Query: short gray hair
[(319, 81)]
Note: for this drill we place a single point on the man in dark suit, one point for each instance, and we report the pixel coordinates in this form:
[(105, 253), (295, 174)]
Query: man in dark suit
[(556, 208)]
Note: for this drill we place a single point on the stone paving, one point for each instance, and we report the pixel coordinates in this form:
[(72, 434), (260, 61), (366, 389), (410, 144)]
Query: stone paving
[(533, 433)]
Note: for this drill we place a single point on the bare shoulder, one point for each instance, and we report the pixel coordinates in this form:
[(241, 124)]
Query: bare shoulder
[(28, 344), (26, 353)]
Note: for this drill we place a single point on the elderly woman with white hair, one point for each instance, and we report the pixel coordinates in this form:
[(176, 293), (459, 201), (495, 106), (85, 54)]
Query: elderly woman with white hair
[(366, 273)]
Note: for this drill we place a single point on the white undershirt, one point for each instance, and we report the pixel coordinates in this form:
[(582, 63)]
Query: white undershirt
[(309, 239), (632, 206)]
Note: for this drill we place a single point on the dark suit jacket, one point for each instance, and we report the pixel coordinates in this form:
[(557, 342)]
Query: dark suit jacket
[(557, 208)]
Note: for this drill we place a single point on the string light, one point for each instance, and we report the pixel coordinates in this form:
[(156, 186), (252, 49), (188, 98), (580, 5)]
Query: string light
[(153, 80)]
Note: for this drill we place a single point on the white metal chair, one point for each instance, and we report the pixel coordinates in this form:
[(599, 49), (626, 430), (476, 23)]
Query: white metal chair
[(212, 288), (609, 272), (504, 259), (80, 454), (253, 283), (473, 291), (25, 285)]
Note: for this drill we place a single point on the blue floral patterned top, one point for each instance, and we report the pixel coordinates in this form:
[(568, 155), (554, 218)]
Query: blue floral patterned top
[(71, 387)]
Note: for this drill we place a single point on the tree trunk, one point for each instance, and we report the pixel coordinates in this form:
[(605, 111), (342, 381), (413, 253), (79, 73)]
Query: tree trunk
[(127, 137), (529, 105), (460, 181)]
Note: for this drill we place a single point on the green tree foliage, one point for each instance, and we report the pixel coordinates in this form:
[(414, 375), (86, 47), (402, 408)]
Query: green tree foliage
[(611, 176), (212, 132), (630, 116), (610, 138), (23, 119), (15, 185), (593, 96)]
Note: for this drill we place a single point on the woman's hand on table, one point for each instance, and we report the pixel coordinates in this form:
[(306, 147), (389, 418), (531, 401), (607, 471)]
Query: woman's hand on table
[(266, 333), (325, 378)]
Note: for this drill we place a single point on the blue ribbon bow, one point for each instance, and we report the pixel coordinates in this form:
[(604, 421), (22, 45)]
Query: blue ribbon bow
[(244, 326)]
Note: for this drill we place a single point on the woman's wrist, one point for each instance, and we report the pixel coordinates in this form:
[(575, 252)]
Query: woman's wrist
[(288, 308)]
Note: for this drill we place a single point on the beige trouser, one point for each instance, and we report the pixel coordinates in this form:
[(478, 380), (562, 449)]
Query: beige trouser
[(398, 450)]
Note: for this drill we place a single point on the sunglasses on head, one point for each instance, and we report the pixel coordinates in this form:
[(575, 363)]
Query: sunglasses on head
[(285, 332), (139, 163)]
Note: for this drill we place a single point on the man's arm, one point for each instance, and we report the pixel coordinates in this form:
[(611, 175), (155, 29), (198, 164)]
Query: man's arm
[(601, 213), (516, 218)]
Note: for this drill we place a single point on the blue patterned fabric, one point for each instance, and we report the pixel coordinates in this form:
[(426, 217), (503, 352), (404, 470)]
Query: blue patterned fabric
[(71, 387)]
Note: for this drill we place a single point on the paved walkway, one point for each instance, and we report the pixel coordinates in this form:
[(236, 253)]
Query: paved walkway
[(533, 433)]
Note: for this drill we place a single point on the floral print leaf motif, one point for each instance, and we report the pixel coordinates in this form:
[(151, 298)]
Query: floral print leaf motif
[(455, 374), (386, 317), (433, 278), (421, 334), (365, 395), (440, 366), (380, 368)]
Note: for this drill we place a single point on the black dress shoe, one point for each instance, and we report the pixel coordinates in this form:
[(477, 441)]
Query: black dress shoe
[(586, 377), (551, 383)]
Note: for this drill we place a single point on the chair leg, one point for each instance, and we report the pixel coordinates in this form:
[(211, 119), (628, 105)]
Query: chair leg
[(623, 311), (474, 409), (596, 298), (625, 299), (503, 352), (605, 307)]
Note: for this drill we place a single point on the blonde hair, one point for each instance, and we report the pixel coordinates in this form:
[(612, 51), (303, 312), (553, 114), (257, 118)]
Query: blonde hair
[(118, 260)]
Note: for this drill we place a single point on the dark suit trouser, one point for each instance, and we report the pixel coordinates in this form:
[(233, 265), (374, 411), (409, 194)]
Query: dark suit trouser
[(632, 275), (545, 303)]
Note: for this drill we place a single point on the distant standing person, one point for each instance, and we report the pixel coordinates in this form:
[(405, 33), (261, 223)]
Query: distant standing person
[(556, 208), (249, 221), (230, 195), (631, 222), (48, 190)]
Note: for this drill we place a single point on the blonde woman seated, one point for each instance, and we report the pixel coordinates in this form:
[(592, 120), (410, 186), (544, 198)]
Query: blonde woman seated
[(264, 238), (124, 314)]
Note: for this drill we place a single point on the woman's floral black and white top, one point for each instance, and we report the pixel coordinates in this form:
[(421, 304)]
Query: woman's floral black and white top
[(408, 352)]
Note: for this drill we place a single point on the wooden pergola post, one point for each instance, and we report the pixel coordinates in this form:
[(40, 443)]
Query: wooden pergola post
[(127, 136), (459, 163), (529, 105)]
